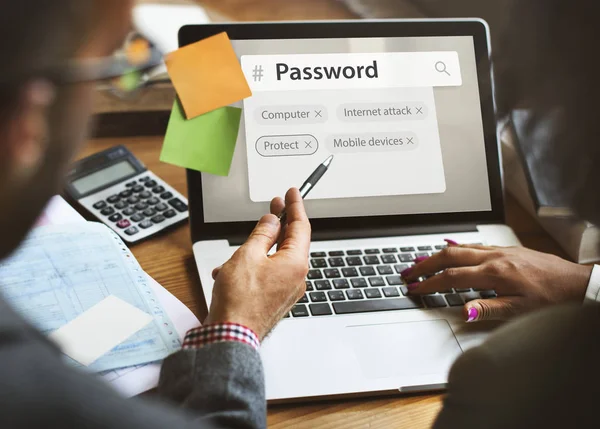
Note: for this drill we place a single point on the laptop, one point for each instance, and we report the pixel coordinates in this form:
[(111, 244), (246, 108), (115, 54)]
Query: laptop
[(406, 108)]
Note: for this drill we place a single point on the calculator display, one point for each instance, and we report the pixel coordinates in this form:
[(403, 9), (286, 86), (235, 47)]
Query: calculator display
[(103, 177)]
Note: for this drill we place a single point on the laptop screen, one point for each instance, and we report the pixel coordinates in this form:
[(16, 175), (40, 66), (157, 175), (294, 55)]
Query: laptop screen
[(401, 115)]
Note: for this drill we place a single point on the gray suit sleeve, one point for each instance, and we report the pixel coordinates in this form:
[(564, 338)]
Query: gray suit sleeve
[(539, 371)]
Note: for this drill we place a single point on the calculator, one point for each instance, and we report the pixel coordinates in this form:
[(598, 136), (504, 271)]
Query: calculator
[(117, 189)]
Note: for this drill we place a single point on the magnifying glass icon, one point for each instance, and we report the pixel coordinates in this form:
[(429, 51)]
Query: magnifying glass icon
[(440, 66)]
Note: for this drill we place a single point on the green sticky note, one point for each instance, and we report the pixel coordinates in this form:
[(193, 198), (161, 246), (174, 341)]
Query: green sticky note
[(205, 143)]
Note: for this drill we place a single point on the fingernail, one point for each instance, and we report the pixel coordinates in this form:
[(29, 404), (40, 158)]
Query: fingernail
[(451, 242), (412, 286), (473, 314), (270, 220), (407, 272), (420, 259)]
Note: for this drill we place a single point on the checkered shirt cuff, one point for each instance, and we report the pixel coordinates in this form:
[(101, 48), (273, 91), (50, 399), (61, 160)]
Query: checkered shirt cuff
[(219, 333)]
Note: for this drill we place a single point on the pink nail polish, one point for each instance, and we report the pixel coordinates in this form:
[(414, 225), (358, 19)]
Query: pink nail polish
[(473, 314), (451, 242), (412, 286), (421, 259), (407, 272)]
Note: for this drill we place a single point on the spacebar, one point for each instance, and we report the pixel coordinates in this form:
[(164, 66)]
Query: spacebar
[(377, 305)]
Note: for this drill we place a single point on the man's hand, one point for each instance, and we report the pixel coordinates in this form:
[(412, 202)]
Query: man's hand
[(256, 290), (524, 279)]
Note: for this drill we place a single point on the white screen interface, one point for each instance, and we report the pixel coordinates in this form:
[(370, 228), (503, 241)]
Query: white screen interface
[(402, 117)]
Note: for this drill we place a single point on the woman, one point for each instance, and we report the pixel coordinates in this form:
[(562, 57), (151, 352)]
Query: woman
[(539, 371)]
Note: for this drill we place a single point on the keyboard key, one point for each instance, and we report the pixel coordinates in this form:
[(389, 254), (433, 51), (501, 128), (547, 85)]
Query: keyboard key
[(318, 296), (113, 199), (354, 261), (158, 190), (400, 267), (323, 285), (149, 212), (300, 311), (121, 205), (178, 205), (407, 249), (132, 231), (404, 290), (150, 184), (100, 205), (144, 195), (309, 286), (376, 281), (318, 255), (131, 184), (303, 300), (372, 251), (125, 194), (406, 257), (454, 300), (388, 259), (487, 294), (124, 223), (394, 280), (133, 200), (341, 284), (385, 270), (440, 247), (336, 295), (108, 211), (467, 297), (129, 211), (152, 201), (137, 217), (434, 301), (320, 309), (169, 213), (463, 290), (424, 249), (318, 263), (348, 307), (359, 282), (371, 260), (332, 273), (144, 179), (421, 255), (336, 253), (146, 224), (314, 274), (390, 250), (161, 207), (141, 206), (336, 262), (166, 196), (158, 218), (390, 292), (367, 271), (372, 293), (137, 188), (354, 294), (350, 272), (354, 252)]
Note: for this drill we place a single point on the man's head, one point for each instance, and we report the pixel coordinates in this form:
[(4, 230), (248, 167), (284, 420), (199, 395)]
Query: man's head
[(43, 122)]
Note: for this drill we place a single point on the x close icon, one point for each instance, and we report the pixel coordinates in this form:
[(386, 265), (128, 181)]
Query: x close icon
[(308, 144), (318, 114)]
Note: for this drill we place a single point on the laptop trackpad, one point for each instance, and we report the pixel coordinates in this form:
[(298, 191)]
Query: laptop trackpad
[(412, 348)]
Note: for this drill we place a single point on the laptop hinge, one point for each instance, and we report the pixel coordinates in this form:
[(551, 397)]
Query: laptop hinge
[(379, 232)]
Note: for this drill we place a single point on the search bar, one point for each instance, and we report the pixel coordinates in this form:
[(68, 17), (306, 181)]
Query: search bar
[(351, 71)]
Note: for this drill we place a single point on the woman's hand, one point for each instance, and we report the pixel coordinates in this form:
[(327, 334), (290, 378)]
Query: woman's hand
[(523, 279)]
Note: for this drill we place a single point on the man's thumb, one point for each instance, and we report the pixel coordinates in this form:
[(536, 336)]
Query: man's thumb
[(265, 234), (492, 309)]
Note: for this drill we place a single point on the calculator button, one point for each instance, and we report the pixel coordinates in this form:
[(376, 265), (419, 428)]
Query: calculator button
[(137, 188), (145, 195), (153, 201), (146, 224), (137, 217), (144, 179), (166, 196), (121, 205), (108, 211), (133, 200), (149, 212), (158, 219), (123, 224), (170, 213), (132, 231), (113, 199), (129, 211), (178, 205), (100, 205), (141, 206), (125, 194), (160, 207), (115, 218), (150, 184), (131, 184), (158, 190)]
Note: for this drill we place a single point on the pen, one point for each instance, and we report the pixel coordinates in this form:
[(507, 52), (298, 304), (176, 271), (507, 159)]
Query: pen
[(310, 183)]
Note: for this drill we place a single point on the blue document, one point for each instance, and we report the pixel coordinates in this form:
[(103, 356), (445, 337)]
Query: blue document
[(60, 271)]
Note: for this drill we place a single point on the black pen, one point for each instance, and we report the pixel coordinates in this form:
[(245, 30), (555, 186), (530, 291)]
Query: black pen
[(310, 183)]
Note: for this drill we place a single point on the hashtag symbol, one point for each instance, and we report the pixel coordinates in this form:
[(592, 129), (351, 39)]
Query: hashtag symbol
[(258, 73)]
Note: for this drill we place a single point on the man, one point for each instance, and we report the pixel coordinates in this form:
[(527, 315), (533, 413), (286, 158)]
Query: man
[(43, 117)]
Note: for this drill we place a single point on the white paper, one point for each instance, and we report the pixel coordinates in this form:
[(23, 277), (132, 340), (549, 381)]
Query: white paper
[(99, 329), (59, 212)]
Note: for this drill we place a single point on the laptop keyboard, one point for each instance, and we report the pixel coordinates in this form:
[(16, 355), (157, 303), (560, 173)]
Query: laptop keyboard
[(368, 280)]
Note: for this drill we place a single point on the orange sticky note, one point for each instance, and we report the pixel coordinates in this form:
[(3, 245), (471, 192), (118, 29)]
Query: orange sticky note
[(207, 75)]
